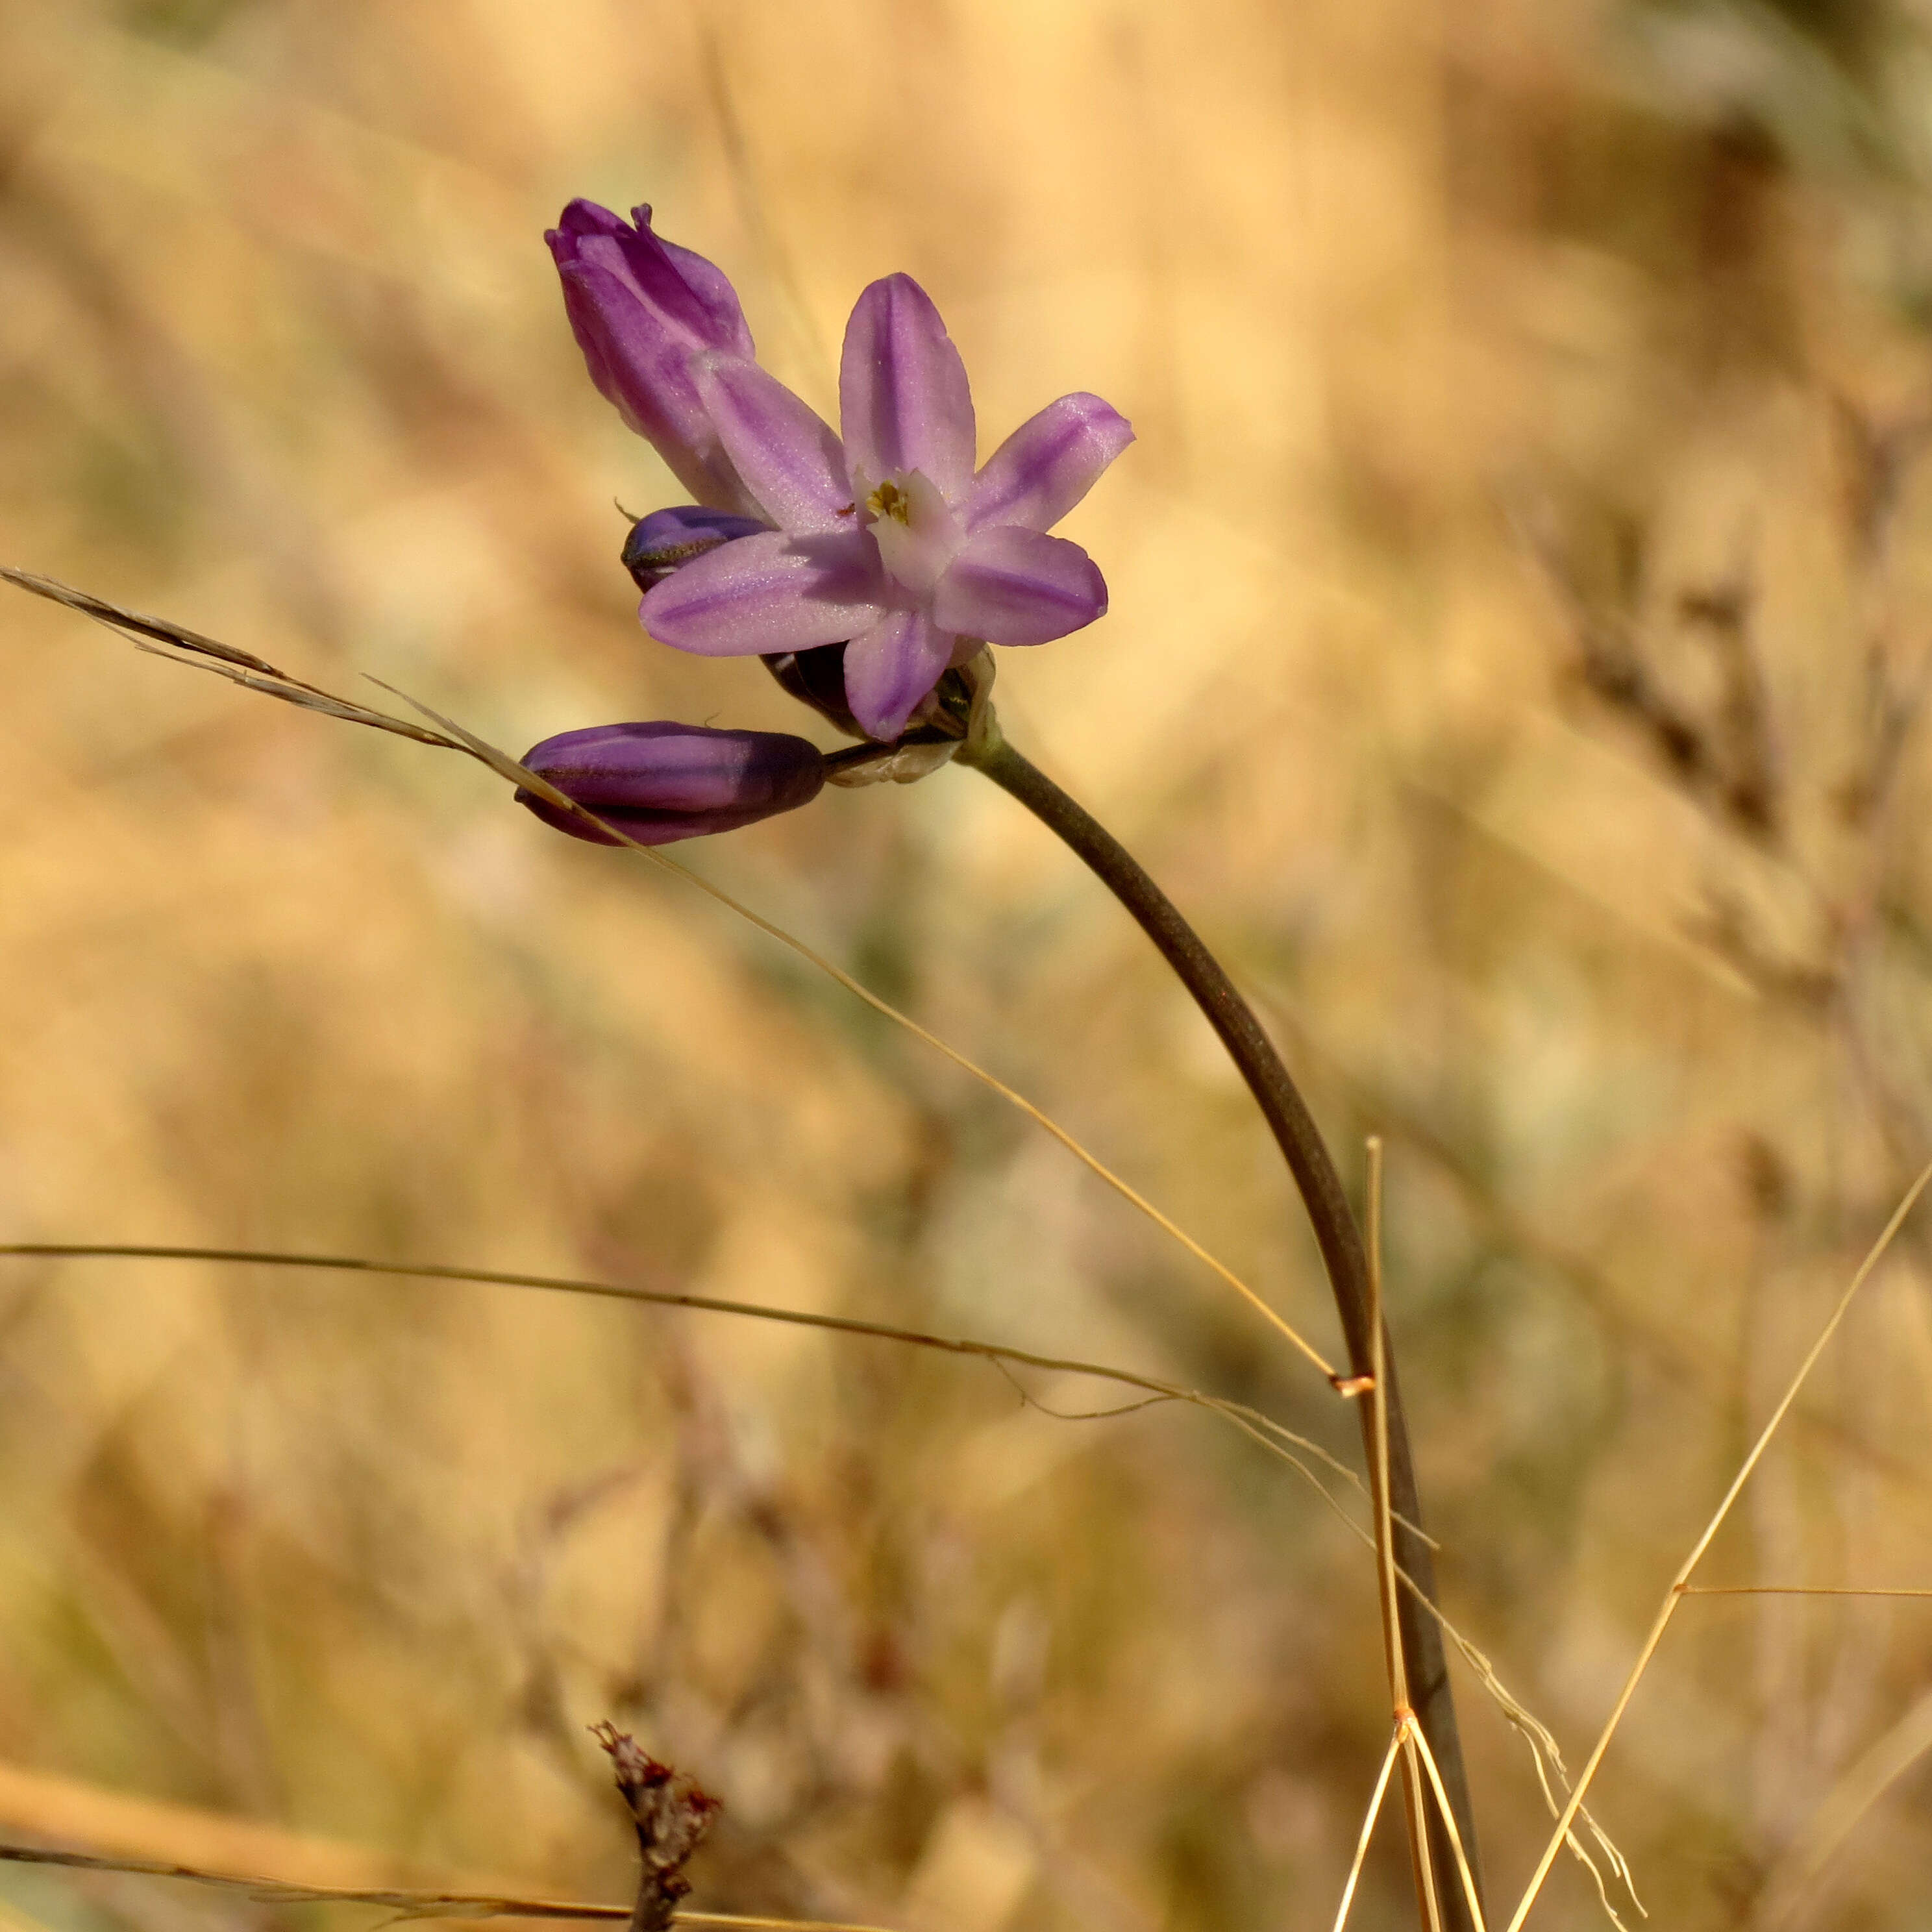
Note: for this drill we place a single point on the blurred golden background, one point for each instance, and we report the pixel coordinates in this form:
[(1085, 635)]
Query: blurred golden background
[(1522, 589)]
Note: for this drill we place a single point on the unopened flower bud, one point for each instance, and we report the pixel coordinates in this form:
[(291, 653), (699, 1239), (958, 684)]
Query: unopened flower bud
[(641, 308), (661, 782), (817, 677), (667, 539)]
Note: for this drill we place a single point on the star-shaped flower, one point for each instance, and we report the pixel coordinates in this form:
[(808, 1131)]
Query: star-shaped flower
[(887, 541)]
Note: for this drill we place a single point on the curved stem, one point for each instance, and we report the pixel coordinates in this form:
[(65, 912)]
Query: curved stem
[(1336, 1233)]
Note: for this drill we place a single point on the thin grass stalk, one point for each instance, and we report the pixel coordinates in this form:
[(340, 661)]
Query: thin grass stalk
[(1428, 1893), (1680, 1583), (1275, 1438), (1441, 1797), (402, 1903), (1796, 1590), (1367, 1831)]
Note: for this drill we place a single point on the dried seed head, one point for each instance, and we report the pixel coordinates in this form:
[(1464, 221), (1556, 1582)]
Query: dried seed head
[(672, 1814)]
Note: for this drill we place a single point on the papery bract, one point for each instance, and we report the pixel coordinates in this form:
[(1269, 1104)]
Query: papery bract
[(641, 308), (660, 781), (887, 540)]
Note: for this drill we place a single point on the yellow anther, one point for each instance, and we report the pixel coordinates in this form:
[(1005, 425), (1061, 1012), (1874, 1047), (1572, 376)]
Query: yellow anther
[(889, 500)]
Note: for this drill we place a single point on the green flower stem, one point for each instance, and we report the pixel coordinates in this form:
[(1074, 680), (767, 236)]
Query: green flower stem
[(1336, 1232)]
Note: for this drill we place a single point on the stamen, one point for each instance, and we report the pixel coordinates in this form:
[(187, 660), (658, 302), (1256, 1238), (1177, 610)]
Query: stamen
[(889, 499)]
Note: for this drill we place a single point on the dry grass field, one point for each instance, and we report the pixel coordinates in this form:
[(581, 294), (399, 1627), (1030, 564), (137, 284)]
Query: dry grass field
[(1522, 599)]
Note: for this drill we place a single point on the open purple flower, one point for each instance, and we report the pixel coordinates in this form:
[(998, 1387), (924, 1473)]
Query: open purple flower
[(889, 539), (641, 309), (659, 782)]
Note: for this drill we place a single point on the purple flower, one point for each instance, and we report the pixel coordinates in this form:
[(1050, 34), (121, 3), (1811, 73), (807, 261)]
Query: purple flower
[(889, 539), (641, 309), (659, 782)]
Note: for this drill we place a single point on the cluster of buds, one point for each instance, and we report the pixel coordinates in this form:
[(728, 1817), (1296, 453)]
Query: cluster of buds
[(870, 570)]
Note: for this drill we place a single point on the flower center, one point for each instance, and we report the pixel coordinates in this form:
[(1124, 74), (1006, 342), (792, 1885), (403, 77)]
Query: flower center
[(917, 530), (889, 499)]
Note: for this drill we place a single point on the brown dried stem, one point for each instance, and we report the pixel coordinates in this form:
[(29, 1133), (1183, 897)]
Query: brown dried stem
[(672, 1813)]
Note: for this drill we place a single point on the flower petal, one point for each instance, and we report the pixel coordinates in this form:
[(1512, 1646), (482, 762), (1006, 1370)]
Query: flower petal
[(711, 290), (769, 593), (681, 288), (1048, 464), (790, 459), (639, 368), (903, 399), (685, 291), (891, 667), (1016, 587)]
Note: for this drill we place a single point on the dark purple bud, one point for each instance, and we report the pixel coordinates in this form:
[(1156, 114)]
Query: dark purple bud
[(817, 677), (659, 782), (660, 543)]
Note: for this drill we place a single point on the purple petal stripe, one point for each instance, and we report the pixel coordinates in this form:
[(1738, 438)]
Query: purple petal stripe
[(771, 592), (684, 291), (1016, 587), (1048, 464), (641, 309), (711, 288), (903, 399), (791, 462), (891, 667), (627, 362)]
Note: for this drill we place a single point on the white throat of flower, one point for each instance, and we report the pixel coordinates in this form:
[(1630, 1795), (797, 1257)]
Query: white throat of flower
[(917, 531)]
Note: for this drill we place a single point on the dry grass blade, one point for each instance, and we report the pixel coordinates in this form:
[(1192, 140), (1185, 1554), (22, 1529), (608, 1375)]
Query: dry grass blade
[(1276, 1438), (1378, 1491), (44, 1808), (1368, 1830), (1795, 1590), (1157, 1390), (209, 654), (1239, 1410), (1675, 1594), (1414, 1804), (1546, 1759), (404, 1904), (118, 618), (1419, 1742), (1273, 1437)]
